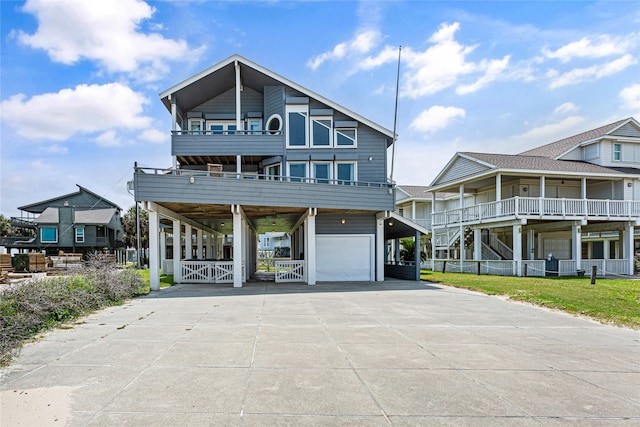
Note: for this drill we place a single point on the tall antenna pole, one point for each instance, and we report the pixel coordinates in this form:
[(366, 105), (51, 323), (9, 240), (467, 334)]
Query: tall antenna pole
[(395, 117)]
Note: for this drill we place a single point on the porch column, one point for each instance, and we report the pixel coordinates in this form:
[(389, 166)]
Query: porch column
[(463, 252), (416, 255), (396, 250), (477, 244), (237, 246), (498, 194), (154, 250), (606, 246), (576, 245), (381, 248), (209, 246), (188, 241), (199, 244), (413, 210), (531, 238), (177, 250), (238, 166), (629, 247), (310, 246), (163, 249), (517, 250), (238, 97), (583, 188), (542, 185), (174, 126)]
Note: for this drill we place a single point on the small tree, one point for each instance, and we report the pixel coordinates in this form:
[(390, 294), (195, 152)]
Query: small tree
[(129, 226), (407, 251)]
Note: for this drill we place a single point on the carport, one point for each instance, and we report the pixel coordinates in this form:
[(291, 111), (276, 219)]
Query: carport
[(397, 227)]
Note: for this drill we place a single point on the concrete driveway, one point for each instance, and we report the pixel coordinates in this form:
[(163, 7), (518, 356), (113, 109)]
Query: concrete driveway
[(400, 353)]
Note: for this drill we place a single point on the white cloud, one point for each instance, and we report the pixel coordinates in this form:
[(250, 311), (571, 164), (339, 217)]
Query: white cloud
[(154, 136), (362, 43), (579, 75), (85, 109), (630, 97), (57, 149), (436, 118), (547, 133), (107, 32), (39, 164), (599, 47), (567, 107), (493, 70), (109, 139)]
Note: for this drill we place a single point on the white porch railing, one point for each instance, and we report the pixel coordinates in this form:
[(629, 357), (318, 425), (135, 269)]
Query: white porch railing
[(541, 208), (567, 267), (606, 266), (206, 271), (290, 271)]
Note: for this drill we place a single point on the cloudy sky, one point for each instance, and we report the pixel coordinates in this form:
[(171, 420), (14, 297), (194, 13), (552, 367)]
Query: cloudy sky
[(80, 79)]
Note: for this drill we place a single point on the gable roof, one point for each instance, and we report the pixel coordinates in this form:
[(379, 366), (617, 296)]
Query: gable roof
[(40, 207), (414, 191), (556, 149), (201, 86)]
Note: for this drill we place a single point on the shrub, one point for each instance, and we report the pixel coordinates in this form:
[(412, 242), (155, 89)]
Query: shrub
[(36, 305)]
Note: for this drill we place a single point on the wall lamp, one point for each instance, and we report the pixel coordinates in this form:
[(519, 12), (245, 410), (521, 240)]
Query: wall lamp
[(390, 223), (343, 220), (192, 179), (222, 224)]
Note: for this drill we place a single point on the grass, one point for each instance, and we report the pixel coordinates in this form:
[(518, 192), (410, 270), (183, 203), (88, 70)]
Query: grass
[(166, 280), (608, 301)]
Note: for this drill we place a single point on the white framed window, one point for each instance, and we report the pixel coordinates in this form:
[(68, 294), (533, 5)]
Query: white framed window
[(346, 173), (195, 126), (49, 235), (322, 172), (617, 152), (273, 172), (322, 131), (217, 127), (274, 124), (297, 126), (79, 234), (254, 125), (346, 137), (297, 171)]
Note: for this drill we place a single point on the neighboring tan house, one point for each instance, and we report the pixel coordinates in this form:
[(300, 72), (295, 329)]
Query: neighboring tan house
[(560, 208), (255, 152), (81, 222)]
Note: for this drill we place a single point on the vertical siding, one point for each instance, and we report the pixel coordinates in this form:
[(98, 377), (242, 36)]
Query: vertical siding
[(273, 101), (66, 232), (354, 224)]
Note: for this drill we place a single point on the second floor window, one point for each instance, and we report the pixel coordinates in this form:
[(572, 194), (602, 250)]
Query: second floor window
[(49, 235), (297, 118), (298, 171), (321, 134), (221, 128), (346, 137), (346, 172), (617, 152)]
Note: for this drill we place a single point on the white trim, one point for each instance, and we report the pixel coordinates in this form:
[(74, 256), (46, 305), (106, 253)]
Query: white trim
[(225, 127), (76, 234), (271, 131), (277, 176), (306, 175), (341, 130), (303, 110), (346, 162), (312, 170), (269, 73), (48, 228), (319, 119)]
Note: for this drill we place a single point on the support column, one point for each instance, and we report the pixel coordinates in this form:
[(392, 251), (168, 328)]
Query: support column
[(416, 255), (380, 249), (188, 241), (531, 238), (517, 250), (238, 97), (629, 247), (583, 189), (477, 244), (199, 253), (177, 250), (238, 166), (310, 246), (154, 250), (576, 245), (542, 185), (237, 246), (463, 252), (209, 247), (499, 194), (163, 249), (396, 251), (413, 210)]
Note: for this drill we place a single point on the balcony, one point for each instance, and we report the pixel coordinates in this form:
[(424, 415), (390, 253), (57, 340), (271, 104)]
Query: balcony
[(202, 187), (540, 208), (232, 143)]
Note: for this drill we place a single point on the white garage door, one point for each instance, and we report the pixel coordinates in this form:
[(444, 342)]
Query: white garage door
[(345, 258)]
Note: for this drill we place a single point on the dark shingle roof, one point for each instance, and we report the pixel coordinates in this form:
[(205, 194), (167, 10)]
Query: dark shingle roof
[(415, 191), (556, 149), (523, 162)]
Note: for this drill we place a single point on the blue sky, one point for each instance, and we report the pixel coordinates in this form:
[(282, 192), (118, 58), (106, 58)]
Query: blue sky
[(79, 80)]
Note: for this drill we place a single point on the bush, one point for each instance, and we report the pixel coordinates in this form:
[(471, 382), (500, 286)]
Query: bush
[(39, 304)]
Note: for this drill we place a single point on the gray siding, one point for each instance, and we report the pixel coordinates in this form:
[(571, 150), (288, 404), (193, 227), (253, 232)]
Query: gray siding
[(226, 102), (66, 231), (273, 102), (628, 130), (601, 191), (172, 188), (460, 168), (227, 145), (354, 224), (81, 200)]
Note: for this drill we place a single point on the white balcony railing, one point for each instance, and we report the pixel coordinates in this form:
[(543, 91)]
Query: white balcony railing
[(540, 208), (290, 271)]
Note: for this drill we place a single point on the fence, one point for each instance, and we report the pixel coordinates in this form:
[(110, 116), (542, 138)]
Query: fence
[(206, 271), (289, 271)]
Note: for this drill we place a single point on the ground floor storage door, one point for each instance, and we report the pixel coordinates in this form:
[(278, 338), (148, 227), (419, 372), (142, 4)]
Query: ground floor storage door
[(345, 257)]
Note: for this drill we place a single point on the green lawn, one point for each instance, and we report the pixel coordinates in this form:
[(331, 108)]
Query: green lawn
[(166, 280), (608, 301)]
